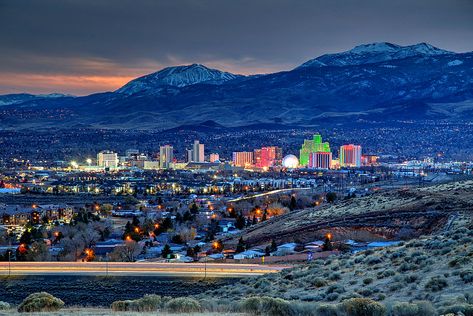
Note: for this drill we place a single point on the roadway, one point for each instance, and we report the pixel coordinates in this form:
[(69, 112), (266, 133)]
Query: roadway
[(217, 270), (248, 197)]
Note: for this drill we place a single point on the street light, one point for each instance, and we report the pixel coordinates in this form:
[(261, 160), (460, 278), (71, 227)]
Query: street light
[(89, 161)]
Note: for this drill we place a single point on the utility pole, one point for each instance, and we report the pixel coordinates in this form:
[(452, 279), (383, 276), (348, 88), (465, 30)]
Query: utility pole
[(9, 262), (106, 264)]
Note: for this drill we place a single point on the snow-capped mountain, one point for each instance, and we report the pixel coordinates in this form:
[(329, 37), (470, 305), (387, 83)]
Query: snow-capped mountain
[(179, 76), (377, 82), (374, 53)]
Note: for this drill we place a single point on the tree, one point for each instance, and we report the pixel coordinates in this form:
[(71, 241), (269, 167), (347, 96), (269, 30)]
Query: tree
[(194, 208), (167, 252), (127, 252), (241, 245), (331, 197), (240, 221), (274, 246), (293, 203), (265, 216), (327, 246), (177, 239)]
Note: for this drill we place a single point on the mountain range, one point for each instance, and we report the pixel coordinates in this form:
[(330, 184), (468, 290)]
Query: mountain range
[(372, 82)]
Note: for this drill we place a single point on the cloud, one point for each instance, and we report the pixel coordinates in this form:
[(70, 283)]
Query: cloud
[(113, 39)]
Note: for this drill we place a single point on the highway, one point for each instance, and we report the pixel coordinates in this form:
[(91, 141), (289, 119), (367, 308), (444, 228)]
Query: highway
[(212, 270), (248, 197)]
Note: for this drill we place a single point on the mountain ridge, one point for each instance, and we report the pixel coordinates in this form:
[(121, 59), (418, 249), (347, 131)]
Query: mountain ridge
[(384, 82)]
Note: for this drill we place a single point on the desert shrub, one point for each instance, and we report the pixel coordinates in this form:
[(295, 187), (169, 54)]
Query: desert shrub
[(183, 305), (465, 309), (148, 303), (423, 308), (411, 278), (386, 273), (362, 307), (326, 310), (467, 276), (40, 302), (371, 260), (4, 306), (332, 297), (367, 281), (436, 284), (266, 306), (319, 282), (335, 289), (335, 276)]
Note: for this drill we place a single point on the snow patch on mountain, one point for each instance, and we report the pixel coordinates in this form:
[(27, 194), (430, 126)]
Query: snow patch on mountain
[(179, 76), (455, 62), (374, 53)]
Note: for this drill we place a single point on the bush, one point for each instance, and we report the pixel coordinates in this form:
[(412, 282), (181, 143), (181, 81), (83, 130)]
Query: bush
[(267, 306), (465, 309), (183, 305), (326, 310), (423, 308), (4, 306), (368, 281), (362, 307), (319, 282), (40, 302), (148, 303), (467, 276), (436, 284)]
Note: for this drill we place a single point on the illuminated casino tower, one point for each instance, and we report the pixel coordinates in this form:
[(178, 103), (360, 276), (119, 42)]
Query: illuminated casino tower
[(312, 146), (350, 155)]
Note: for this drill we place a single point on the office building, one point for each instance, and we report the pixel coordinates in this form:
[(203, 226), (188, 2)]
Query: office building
[(107, 159), (166, 156), (198, 152)]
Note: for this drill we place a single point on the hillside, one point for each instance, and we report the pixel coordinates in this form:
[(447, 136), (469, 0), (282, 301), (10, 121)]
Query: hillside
[(374, 82), (405, 213), (435, 267)]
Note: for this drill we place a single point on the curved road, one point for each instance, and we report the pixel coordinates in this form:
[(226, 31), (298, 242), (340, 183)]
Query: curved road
[(220, 270)]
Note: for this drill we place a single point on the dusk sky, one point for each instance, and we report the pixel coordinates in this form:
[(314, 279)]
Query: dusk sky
[(85, 46)]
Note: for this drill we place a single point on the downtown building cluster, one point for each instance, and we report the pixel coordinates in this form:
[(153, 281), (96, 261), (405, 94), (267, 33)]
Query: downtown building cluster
[(314, 154)]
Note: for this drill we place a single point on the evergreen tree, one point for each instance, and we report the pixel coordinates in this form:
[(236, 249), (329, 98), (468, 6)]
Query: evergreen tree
[(240, 221), (327, 246), (241, 245), (194, 208), (293, 203), (167, 252), (274, 246)]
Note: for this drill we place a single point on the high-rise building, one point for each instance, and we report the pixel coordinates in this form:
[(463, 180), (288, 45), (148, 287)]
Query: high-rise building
[(267, 156), (198, 152), (242, 158), (312, 146), (189, 155), (214, 157), (320, 160), (166, 156), (350, 155), (107, 159)]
